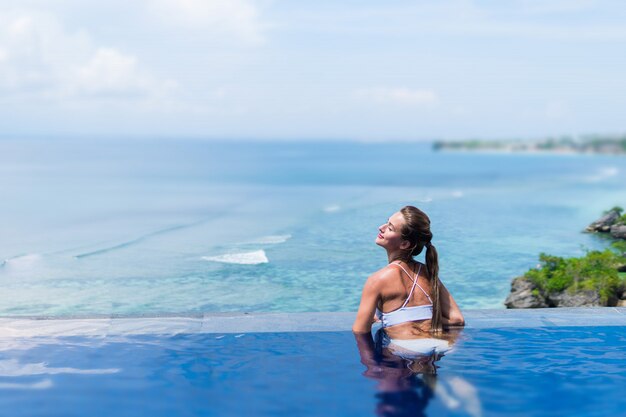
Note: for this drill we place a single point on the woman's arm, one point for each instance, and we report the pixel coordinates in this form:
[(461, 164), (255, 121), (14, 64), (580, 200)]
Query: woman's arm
[(365, 344), (369, 301), (450, 312)]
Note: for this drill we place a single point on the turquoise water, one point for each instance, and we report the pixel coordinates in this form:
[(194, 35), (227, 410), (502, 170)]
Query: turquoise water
[(171, 226)]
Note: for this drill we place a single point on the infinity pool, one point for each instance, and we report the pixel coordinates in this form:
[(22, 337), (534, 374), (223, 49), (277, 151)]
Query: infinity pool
[(551, 371)]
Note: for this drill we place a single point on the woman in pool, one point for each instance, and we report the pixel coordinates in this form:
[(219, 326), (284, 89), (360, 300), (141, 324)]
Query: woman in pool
[(407, 296)]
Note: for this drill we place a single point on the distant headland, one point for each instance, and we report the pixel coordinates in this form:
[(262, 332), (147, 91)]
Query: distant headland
[(587, 144)]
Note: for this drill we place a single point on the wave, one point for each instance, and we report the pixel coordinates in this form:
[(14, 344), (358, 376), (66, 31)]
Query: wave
[(242, 258), (271, 239), (137, 239), (332, 208), (21, 260)]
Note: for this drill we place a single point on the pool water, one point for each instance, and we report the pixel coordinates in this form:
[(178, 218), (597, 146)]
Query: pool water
[(556, 371)]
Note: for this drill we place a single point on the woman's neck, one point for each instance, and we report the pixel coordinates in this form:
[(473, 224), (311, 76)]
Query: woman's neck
[(398, 256)]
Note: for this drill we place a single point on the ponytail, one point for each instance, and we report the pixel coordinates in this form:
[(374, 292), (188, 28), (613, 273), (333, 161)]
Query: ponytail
[(432, 265)]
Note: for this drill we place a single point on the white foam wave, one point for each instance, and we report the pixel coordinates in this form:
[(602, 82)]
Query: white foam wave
[(603, 174), (22, 260), (242, 258), (272, 239), (457, 194), (332, 208)]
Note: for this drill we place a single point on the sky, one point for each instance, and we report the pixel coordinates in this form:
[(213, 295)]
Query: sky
[(301, 70)]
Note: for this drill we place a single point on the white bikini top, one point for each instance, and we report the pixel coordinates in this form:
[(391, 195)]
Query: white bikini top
[(404, 313)]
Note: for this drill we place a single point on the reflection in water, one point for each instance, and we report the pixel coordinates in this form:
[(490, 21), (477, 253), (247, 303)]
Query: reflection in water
[(407, 374), (14, 371), (13, 368), (43, 384)]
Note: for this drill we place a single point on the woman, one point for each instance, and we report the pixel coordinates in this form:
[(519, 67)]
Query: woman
[(407, 296)]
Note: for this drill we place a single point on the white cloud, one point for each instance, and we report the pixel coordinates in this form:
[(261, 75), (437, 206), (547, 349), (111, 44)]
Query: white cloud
[(109, 70), (404, 96), (40, 58), (34, 47), (111, 73), (237, 18)]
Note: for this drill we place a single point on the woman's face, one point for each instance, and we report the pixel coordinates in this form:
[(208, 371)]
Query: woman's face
[(390, 233)]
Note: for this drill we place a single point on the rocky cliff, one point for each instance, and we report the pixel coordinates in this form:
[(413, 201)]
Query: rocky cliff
[(597, 279), (526, 294)]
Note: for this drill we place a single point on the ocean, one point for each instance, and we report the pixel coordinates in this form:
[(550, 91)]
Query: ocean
[(144, 227)]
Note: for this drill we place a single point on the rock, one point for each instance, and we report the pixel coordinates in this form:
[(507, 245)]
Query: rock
[(587, 298), (524, 294), (618, 231), (604, 223), (621, 303)]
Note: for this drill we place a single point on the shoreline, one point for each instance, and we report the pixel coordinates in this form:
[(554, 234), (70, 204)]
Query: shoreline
[(586, 145), (501, 152)]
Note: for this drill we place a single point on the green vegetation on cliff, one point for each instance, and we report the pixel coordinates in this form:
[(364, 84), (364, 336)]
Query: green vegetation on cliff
[(596, 279), (620, 211), (597, 270)]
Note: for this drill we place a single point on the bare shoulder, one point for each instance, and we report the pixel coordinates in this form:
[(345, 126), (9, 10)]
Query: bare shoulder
[(382, 276)]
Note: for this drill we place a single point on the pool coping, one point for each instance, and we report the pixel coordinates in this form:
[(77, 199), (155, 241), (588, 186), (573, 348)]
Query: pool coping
[(252, 322)]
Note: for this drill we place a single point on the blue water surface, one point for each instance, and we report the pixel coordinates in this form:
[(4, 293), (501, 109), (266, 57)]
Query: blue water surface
[(180, 226), (559, 371)]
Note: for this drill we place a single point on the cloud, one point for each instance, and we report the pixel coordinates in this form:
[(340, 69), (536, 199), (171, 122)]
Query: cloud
[(33, 49), (40, 58), (110, 73), (237, 18), (403, 96)]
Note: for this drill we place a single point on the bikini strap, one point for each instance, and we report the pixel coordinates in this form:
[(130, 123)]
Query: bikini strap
[(425, 293), (414, 284), (413, 287)]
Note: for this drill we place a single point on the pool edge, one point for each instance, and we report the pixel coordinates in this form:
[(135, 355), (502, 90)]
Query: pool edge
[(288, 322)]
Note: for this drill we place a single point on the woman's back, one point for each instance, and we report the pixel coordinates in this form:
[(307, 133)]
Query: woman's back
[(405, 307)]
